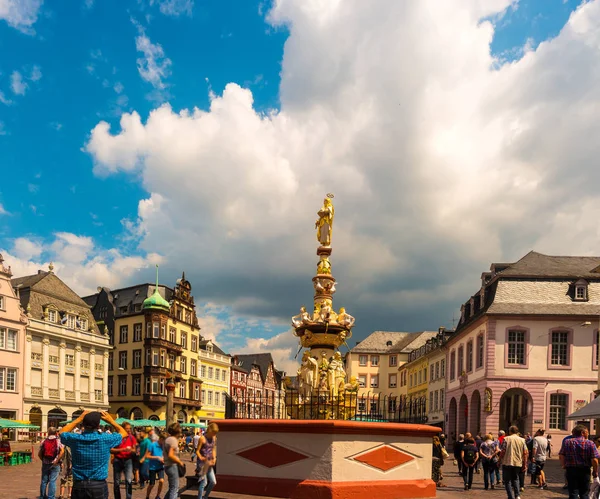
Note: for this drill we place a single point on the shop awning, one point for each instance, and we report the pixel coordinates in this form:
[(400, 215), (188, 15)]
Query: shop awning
[(590, 411), (10, 423)]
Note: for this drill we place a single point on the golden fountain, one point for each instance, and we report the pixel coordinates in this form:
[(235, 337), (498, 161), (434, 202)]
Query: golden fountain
[(321, 391)]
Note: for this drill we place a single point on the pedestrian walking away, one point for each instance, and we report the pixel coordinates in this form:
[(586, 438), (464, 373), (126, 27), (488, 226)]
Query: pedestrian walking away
[(123, 463), (488, 453), (90, 453), (577, 456), (156, 468), (66, 480), (458, 447), (51, 453), (539, 456), (469, 457), (144, 464), (207, 459), (513, 456)]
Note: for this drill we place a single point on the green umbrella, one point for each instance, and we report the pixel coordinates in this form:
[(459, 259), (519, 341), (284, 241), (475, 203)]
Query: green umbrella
[(9, 423), (193, 425)]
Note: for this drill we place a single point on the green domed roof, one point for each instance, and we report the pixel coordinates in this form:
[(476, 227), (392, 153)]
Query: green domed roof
[(156, 301)]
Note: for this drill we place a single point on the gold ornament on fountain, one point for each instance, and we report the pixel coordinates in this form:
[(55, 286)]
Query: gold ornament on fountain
[(321, 391)]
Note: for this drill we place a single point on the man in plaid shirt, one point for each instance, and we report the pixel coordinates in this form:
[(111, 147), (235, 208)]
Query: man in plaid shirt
[(577, 455)]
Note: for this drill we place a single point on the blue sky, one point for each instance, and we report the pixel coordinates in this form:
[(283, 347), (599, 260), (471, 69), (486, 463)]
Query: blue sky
[(107, 209)]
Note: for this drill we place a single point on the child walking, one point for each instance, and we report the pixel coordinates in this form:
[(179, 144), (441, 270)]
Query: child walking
[(207, 458)]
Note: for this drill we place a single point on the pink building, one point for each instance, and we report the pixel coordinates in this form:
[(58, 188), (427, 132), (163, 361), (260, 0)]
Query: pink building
[(12, 347), (525, 350)]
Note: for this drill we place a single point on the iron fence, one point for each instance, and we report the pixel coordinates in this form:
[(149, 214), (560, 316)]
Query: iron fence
[(367, 407)]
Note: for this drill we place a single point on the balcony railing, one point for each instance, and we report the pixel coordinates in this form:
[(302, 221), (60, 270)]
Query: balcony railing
[(99, 367), (159, 342), (36, 356), (85, 397), (53, 359), (53, 394), (85, 364), (69, 395), (36, 391)]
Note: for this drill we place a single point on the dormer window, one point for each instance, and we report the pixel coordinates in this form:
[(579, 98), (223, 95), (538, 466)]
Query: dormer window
[(580, 290), (52, 315)]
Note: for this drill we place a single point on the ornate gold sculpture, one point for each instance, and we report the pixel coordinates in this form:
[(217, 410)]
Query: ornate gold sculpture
[(325, 222), (321, 391)]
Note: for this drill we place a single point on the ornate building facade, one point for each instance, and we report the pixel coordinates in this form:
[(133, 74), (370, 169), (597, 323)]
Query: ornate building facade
[(525, 350), (12, 347), (264, 397), (155, 334), (65, 354)]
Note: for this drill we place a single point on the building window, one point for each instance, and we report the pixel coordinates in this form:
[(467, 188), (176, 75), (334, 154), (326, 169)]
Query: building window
[(137, 359), (210, 397), (516, 347), (470, 356), (8, 379), (155, 356), (436, 406), (430, 401), (210, 373), (183, 364), (558, 411), (122, 386), (203, 371), (2, 303), (163, 358), (393, 360), (182, 390), (111, 358), (223, 375), (196, 392), (431, 372), (156, 329), (70, 321), (203, 396), (137, 332), (122, 360), (8, 339), (137, 385), (442, 400), (374, 381), (173, 335), (362, 380), (362, 360), (224, 398), (480, 351), (70, 360), (163, 331), (374, 360), (452, 365), (461, 360), (123, 334), (194, 343), (183, 339), (193, 367), (217, 374), (393, 379), (52, 316), (596, 345), (559, 355), (171, 362), (443, 368), (83, 324), (110, 386)]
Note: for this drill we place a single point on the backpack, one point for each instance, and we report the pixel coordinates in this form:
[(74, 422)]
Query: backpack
[(50, 449), (470, 453)]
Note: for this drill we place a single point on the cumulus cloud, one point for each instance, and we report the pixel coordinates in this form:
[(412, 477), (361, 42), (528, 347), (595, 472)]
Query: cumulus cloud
[(2, 210), (442, 158), (173, 8), (20, 14), (77, 260), (154, 66)]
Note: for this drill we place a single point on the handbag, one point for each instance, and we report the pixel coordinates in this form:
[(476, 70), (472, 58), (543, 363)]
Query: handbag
[(181, 470), (445, 454)]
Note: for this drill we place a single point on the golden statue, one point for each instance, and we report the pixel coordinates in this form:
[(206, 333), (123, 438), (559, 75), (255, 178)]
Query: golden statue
[(324, 266), (325, 222)]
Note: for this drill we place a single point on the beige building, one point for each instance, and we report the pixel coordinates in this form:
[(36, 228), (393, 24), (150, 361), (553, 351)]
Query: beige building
[(12, 347), (215, 372), (156, 337), (65, 354)]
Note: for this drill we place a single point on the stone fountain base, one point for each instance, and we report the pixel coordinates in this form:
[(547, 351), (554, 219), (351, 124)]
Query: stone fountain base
[(325, 459)]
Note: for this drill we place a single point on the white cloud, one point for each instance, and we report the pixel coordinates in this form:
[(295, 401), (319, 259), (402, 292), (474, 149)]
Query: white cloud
[(154, 66), (2, 132), (4, 100), (2, 210), (77, 261), (173, 7), (20, 14), (36, 73), (283, 347), (440, 160), (17, 85), (88, 4)]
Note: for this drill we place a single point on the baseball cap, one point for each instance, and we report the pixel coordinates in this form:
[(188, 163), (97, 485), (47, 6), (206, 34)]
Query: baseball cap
[(92, 419)]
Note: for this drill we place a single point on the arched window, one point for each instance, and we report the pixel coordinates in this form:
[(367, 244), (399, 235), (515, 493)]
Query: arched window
[(55, 417), (121, 412), (76, 414), (35, 416), (181, 417), (136, 414), (154, 417)]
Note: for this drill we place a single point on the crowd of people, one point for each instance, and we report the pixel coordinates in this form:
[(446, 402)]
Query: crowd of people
[(514, 456), (81, 453)]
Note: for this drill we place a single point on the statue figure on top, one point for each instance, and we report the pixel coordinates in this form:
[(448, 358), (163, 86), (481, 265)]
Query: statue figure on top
[(325, 222), (302, 319), (308, 376), (344, 319), (336, 375), (324, 266)]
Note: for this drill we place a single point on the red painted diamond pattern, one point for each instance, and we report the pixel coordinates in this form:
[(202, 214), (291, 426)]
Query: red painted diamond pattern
[(272, 455), (384, 458)]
